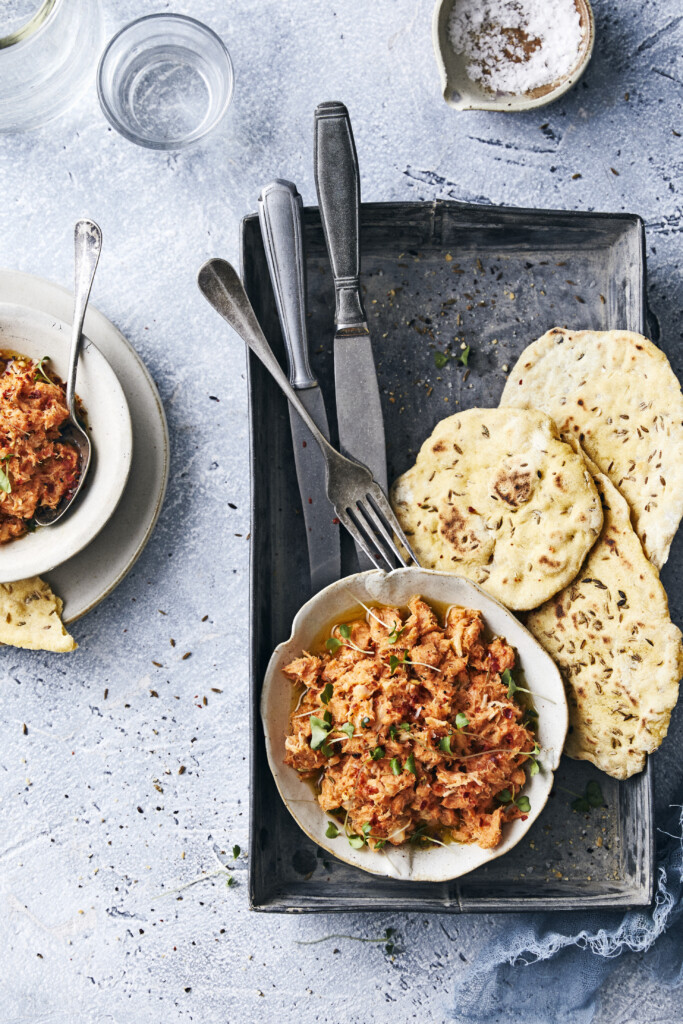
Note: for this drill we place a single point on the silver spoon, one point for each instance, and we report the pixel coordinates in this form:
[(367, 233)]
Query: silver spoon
[(87, 247)]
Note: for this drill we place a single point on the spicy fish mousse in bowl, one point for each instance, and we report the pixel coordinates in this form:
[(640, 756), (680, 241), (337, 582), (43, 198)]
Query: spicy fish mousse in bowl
[(412, 724), (37, 470), (39, 467)]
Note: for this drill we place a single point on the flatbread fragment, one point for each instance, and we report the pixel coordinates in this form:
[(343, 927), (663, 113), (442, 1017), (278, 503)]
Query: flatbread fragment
[(618, 651), (615, 392), (30, 617), (497, 497)]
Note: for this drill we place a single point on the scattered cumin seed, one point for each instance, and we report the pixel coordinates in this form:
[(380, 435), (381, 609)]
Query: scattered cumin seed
[(182, 770), (106, 693), (186, 655), (158, 664), (24, 729), (214, 689), (153, 693), (205, 701), (204, 618)]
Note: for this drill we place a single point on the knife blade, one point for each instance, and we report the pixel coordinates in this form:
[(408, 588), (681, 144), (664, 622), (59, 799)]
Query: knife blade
[(359, 409), (279, 207)]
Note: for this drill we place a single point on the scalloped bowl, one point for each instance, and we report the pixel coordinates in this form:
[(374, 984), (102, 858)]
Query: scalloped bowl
[(438, 864)]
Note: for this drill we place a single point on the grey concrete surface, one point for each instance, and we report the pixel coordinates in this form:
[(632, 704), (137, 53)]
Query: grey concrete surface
[(114, 904)]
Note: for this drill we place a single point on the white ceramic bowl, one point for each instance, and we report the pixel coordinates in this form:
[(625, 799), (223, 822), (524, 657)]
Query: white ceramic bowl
[(435, 864), (462, 93), (35, 334)]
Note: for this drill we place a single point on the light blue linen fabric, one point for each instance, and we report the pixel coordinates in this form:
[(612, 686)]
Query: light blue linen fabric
[(548, 967)]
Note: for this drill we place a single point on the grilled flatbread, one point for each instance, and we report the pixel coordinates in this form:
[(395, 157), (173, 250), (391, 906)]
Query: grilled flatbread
[(497, 497), (30, 617), (618, 651), (615, 392)]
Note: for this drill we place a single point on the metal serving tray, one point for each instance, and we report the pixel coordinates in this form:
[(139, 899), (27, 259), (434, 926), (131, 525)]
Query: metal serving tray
[(495, 279)]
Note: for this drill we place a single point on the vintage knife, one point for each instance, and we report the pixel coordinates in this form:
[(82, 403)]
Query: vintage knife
[(359, 411), (279, 208)]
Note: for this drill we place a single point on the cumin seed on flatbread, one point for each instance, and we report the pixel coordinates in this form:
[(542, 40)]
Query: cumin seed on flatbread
[(614, 392), (496, 496), (618, 651)]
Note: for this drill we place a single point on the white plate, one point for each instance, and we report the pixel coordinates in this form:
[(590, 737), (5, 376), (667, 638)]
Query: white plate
[(35, 334), (90, 576), (437, 864)]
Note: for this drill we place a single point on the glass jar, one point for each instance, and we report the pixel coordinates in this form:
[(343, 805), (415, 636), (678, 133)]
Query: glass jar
[(46, 61)]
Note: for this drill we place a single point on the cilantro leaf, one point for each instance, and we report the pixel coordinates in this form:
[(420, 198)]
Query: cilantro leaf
[(331, 831)]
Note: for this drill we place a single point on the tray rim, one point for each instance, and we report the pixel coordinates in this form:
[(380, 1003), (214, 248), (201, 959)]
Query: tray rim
[(277, 903)]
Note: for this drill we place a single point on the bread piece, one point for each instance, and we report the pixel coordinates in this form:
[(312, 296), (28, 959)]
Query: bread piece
[(615, 392), (30, 617), (497, 497), (618, 651)]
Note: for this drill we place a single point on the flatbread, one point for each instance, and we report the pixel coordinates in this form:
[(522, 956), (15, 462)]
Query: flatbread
[(615, 392), (30, 617), (618, 651), (497, 497)]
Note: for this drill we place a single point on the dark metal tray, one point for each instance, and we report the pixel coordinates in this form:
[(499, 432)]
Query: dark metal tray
[(433, 272)]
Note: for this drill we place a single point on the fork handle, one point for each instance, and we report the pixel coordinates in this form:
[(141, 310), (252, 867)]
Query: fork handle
[(221, 286)]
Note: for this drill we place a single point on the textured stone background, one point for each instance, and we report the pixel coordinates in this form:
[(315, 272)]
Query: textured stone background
[(93, 926)]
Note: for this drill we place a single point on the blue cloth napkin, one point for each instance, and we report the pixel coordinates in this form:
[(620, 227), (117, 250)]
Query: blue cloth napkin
[(550, 967)]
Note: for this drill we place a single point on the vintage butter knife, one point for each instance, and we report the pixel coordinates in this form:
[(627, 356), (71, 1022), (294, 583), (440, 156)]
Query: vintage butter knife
[(359, 411), (279, 208)]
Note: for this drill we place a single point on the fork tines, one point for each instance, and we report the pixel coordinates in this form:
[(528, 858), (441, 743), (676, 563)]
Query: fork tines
[(373, 525)]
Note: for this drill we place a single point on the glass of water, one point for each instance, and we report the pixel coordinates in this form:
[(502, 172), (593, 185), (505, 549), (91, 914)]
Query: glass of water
[(165, 81)]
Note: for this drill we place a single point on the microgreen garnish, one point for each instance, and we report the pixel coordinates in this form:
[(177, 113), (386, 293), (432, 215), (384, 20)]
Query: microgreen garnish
[(5, 482), (345, 631), (507, 680), (366, 828), (357, 842), (333, 644), (236, 852), (592, 798), (319, 731), (392, 731), (522, 802), (346, 728), (404, 726), (396, 766), (396, 633), (40, 372), (420, 836), (396, 662), (445, 744), (441, 359), (410, 765), (465, 355), (377, 753), (380, 843), (327, 693), (461, 720), (331, 831)]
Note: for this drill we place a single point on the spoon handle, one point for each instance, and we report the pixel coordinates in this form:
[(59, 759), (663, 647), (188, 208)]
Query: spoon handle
[(220, 284), (87, 248)]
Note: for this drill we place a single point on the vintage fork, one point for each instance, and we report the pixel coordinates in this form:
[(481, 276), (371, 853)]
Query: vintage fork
[(358, 500)]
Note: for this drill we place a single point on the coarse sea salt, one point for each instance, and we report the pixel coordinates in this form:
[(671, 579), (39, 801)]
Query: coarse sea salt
[(514, 46)]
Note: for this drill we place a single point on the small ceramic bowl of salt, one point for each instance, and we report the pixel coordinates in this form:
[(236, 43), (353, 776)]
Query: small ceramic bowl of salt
[(510, 54)]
